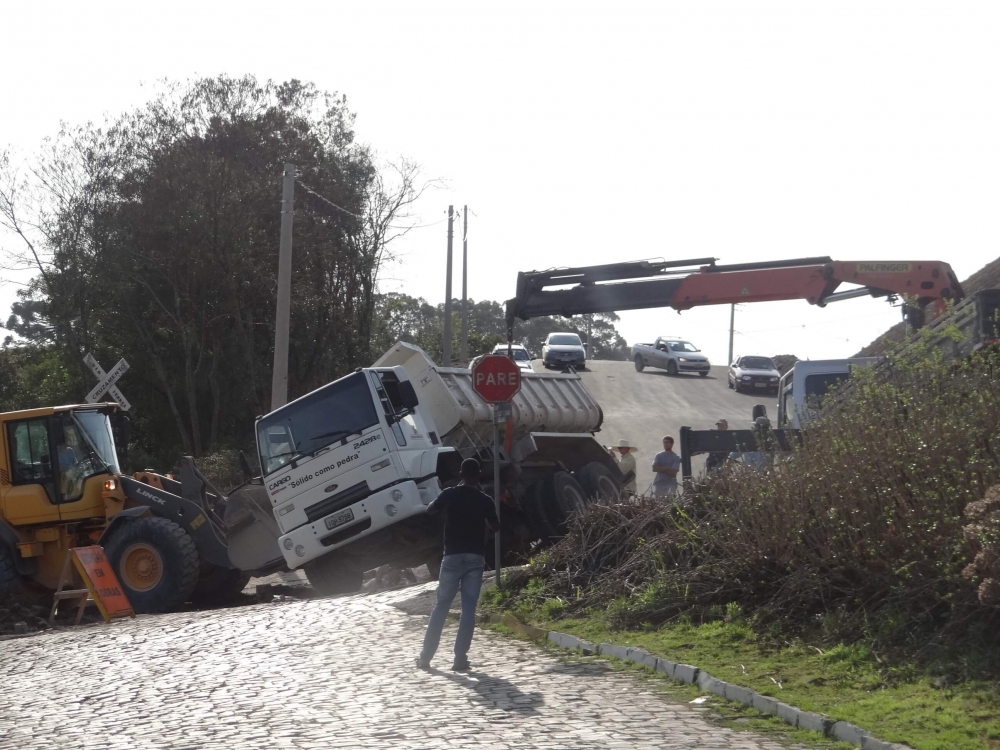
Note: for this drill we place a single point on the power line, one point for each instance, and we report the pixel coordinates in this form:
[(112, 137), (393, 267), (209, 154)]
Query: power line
[(359, 216)]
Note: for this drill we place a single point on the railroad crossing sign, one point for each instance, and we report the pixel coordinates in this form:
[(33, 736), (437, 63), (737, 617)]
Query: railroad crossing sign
[(496, 378), (106, 381)]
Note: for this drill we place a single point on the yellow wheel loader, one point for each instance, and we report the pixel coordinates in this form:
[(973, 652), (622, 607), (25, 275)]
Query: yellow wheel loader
[(61, 487)]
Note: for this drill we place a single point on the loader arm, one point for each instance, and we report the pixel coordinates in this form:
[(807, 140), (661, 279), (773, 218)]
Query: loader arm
[(692, 283)]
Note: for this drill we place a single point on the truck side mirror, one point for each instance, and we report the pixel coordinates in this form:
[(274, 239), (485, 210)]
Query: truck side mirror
[(407, 395)]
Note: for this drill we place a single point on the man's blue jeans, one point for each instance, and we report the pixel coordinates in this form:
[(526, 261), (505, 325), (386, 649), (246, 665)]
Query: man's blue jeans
[(458, 573)]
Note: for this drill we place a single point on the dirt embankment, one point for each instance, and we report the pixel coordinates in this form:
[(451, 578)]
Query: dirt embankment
[(987, 277)]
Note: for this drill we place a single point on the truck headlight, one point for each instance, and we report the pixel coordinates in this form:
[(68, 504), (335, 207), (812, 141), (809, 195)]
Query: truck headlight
[(390, 510), (397, 495), (288, 543), (300, 551)]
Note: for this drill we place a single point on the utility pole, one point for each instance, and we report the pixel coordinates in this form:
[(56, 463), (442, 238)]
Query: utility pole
[(279, 374), (590, 328), (465, 283), (732, 321), (446, 344)]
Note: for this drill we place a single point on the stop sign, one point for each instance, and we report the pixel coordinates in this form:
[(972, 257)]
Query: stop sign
[(496, 378)]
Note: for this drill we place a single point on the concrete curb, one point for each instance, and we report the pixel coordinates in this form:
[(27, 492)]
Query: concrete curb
[(691, 675)]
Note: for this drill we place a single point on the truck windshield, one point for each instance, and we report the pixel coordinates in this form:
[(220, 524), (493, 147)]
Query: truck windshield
[(566, 339), (335, 411), (757, 363), (682, 346), (817, 386)]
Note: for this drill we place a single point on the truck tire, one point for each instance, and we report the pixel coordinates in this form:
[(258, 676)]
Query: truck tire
[(639, 364), (598, 481), (561, 496), (333, 574), (156, 563), (11, 583), (671, 367), (534, 507), (216, 584)]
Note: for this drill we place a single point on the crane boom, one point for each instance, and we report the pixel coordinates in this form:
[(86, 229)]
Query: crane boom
[(691, 283)]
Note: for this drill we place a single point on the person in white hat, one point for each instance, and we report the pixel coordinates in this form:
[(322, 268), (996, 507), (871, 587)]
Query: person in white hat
[(627, 463)]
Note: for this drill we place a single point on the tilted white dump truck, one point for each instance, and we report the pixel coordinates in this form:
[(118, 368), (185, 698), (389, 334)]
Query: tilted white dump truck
[(348, 470)]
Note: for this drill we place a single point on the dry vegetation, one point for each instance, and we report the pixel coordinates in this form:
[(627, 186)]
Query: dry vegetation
[(859, 535)]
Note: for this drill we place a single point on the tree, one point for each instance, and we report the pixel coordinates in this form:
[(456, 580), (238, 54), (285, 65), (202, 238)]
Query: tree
[(156, 237)]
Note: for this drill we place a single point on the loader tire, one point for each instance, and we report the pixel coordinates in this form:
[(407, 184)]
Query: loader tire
[(639, 364), (218, 585), (11, 583), (598, 481), (156, 563), (334, 574)]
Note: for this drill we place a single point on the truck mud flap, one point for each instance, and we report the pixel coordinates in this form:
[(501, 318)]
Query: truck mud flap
[(253, 532), (211, 545)]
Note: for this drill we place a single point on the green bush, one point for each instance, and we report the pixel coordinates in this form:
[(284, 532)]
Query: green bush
[(858, 534)]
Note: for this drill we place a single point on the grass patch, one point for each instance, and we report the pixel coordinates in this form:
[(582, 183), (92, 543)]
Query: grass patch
[(899, 704)]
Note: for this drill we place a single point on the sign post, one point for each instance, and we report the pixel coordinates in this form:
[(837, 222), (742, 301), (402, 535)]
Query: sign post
[(497, 379)]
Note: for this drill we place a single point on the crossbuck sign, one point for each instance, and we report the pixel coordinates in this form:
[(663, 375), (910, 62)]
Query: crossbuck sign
[(106, 382)]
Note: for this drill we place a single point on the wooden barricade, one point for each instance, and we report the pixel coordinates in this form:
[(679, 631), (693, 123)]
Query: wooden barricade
[(102, 586)]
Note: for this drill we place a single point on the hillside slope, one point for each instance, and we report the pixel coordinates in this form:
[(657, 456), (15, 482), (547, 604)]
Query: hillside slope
[(987, 277)]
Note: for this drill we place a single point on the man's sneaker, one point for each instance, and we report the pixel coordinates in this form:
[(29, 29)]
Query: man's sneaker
[(422, 663), (461, 666)]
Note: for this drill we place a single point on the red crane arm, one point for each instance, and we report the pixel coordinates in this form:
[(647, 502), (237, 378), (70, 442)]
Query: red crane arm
[(691, 283), (926, 281)]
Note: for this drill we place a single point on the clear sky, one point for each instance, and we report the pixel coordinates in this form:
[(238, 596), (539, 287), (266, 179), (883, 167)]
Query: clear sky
[(583, 132)]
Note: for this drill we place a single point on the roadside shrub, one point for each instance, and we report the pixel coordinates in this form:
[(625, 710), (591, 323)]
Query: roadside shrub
[(858, 534), (984, 534)]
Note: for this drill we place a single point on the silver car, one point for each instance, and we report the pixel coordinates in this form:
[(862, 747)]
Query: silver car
[(563, 350), (754, 373)]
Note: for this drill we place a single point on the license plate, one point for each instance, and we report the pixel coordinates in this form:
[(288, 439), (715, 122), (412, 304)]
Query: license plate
[(339, 519), (760, 385)]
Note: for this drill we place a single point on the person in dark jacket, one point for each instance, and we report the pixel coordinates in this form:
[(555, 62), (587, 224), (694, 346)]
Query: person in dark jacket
[(467, 511)]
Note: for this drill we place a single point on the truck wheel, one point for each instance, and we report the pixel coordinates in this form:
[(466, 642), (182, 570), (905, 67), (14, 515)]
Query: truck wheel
[(156, 563), (598, 481), (671, 367), (11, 582), (217, 584), (561, 496), (639, 364), (534, 507), (332, 574)]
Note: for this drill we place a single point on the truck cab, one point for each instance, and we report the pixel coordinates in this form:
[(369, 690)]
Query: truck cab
[(801, 389), (348, 460)]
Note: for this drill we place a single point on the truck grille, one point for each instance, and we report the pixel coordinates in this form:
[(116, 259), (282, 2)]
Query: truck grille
[(333, 503)]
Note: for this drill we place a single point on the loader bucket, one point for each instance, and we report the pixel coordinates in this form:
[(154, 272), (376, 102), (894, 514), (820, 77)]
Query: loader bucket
[(253, 532)]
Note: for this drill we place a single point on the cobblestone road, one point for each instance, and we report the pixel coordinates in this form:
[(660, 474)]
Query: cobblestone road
[(335, 673)]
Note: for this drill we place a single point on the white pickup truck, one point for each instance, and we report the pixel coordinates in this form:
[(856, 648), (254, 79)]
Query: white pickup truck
[(673, 354), (349, 469)]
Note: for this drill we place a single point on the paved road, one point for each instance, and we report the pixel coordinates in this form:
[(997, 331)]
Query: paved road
[(321, 674), (645, 406)]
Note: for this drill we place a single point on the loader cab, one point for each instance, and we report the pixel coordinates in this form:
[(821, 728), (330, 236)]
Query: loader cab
[(54, 463)]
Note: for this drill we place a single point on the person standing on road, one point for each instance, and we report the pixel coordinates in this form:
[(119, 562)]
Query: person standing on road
[(467, 511), (666, 465), (717, 458), (627, 464)]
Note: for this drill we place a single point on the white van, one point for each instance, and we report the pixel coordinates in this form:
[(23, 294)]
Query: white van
[(803, 387)]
